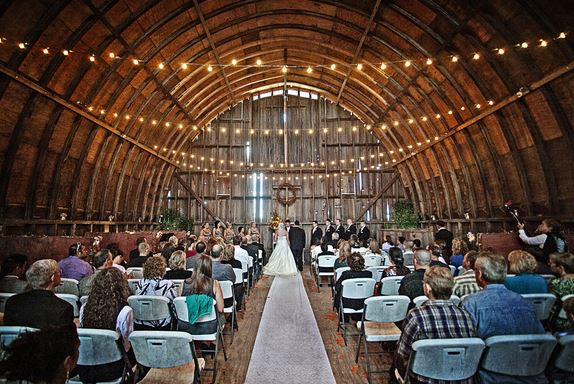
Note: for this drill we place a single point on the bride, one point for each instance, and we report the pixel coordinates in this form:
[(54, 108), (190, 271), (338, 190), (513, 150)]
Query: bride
[(281, 262)]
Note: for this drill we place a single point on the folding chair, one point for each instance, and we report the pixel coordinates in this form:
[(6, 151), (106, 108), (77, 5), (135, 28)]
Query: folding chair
[(3, 299), (133, 284), (377, 272), (149, 308), (445, 359), (9, 333), (338, 273), (542, 303), (73, 300), (155, 349), (562, 313), (326, 263), (135, 272), (417, 301), (228, 293), (378, 323), (102, 346), (518, 355), (216, 337), (245, 274), (239, 281), (353, 289), (69, 286), (390, 285), (565, 358), (452, 269), (548, 278), (373, 260), (83, 300)]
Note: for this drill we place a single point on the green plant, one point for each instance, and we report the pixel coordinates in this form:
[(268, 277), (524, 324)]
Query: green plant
[(404, 214), (172, 220)]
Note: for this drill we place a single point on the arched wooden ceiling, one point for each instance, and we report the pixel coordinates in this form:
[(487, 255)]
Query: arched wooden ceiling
[(59, 154)]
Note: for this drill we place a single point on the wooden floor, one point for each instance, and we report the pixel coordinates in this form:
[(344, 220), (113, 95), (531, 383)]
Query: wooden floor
[(341, 357)]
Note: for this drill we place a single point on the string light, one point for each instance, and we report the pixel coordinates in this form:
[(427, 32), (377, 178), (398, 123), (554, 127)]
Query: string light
[(259, 62), (543, 43), (360, 67), (209, 68), (429, 61), (309, 69), (500, 51), (383, 66), (161, 66), (136, 62), (65, 52), (454, 58), (476, 56), (524, 45), (562, 35), (184, 67), (92, 58), (46, 51), (407, 63), (233, 62), (284, 69), (112, 55), (333, 67), (22, 45)]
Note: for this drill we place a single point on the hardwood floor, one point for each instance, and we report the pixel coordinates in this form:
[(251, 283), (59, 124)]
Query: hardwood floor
[(341, 357)]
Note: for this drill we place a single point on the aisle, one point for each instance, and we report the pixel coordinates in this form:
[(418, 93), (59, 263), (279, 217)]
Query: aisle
[(288, 347)]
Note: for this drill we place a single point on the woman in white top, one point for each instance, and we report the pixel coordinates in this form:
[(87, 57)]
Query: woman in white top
[(281, 262), (107, 308)]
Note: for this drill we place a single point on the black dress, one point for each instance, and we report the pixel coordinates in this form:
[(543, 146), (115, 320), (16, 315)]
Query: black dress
[(350, 303)]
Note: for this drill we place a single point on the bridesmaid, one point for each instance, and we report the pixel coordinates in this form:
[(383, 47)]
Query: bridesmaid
[(254, 233), (206, 231)]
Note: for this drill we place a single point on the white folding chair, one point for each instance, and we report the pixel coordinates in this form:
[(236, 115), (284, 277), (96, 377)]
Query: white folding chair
[(386, 258), (445, 359), (135, 272), (327, 263), (562, 313), (378, 324), (565, 358), (542, 303), (178, 283), (149, 308), (373, 260), (155, 349), (419, 300), (548, 278), (73, 300), (102, 346), (245, 274), (83, 300), (3, 299), (518, 355), (339, 272), (228, 293), (217, 336), (70, 286), (9, 333), (353, 289), (133, 284), (452, 269), (390, 285), (377, 272), (239, 281)]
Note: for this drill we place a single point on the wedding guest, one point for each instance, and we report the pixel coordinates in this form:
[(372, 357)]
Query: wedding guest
[(523, 265), (459, 249), (100, 261), (408, 253), (254, 233), (13, 273), (548, 240), (563, 265), (72, 266), (397, 267), (411, 284), (344, 253), (465, 284), (374, 247), (177, 269), (357, 265), (206, 232), (139, 261), (364, 233)]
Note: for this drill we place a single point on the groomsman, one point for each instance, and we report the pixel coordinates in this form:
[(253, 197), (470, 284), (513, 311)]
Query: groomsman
[(339, 228), (351, 230), (287, 225), (316, 233), (329, 230), (364, 233)]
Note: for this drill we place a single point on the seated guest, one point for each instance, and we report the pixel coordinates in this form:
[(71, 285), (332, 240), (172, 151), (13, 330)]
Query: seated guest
[(177, 267), (374, 247), (436, 256), (397, 267), (465, 284), (72, 266), (44, 356), (100, 261), (228, 258), (559, 376), (523, 265), (201, 284), (39, 307), (388, 243), (412, 284), (459, 249), (241, 255), (154, 284), (357, 265), (563, 265), (497, 310), (219, 271), (437, 318), (344, 253), (169, 248), (143, 256), (401, 243), (12, 274), (249, 246), (107, 308), (408, 253), (199, 249), (334, 241), (417, 244), (118, 256), (136, 252), (190, 252), (354, 242), (325, 251)]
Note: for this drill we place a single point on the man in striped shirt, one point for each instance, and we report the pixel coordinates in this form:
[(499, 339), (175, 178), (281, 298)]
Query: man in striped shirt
[(465, 284), (437, 318)]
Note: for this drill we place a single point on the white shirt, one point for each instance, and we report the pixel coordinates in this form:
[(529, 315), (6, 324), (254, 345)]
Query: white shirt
[(534, 240), (124, 324), (241, 254)]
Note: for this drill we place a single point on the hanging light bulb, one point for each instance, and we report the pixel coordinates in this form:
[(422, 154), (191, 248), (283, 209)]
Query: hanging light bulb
[(429, 61), (407, 63), (333, 66), (500, 51), (476, 56), (360, 67), (65, 52), (161, 66), (309, 69), (543, 43), (233, 62), (209, 68), (112, 55), (136, 62), (562, 35), (22, 45), (46, 51), (383, 66), (524, 45), (259, 62), (92, 58), (454, 59), (284, 69)]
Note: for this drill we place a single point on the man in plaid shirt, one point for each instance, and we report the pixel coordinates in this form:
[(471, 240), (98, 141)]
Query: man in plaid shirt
[(465, 284), (437, 318)]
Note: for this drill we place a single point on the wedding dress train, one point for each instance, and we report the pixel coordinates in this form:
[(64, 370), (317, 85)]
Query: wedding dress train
[(281, 262)]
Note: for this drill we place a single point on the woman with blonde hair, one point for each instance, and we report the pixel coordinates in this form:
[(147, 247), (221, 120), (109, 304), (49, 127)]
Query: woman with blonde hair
[(459, 249), (525, 280), (374, 247), (344, 253), (253, 232), (177, 267)]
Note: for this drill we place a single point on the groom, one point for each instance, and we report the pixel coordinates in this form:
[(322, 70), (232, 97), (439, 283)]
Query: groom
[(297, 243)]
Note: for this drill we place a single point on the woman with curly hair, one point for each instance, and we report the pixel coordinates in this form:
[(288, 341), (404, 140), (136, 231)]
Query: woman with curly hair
[(523, 265), (44, 356), (107, 308), (154, 284), (459, 249)]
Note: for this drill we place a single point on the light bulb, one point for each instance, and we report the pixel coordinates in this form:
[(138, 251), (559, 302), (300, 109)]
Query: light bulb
[(383, 66), (309, 69), (407, 63), (524, 45), (476, 56), (454, 59), (259, 62), (46, 51), (233, 62), (333, 66), (429, 61), (161, 66), (360, 67)]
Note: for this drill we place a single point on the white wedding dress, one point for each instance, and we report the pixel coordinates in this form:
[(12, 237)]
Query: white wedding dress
[(281, 262)]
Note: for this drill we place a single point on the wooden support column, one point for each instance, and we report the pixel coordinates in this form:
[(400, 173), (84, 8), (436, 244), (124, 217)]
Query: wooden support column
[(195, 195), (379, 195)]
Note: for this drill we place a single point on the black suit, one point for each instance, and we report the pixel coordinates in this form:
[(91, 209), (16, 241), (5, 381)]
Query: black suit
[(297, 243), (316, 235), (329, 233), (36, 309), (447, 236), (351, 230), (341, 231), (364, 235)]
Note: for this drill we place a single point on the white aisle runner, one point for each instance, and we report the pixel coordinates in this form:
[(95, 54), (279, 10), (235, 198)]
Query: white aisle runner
[(288, 347)]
